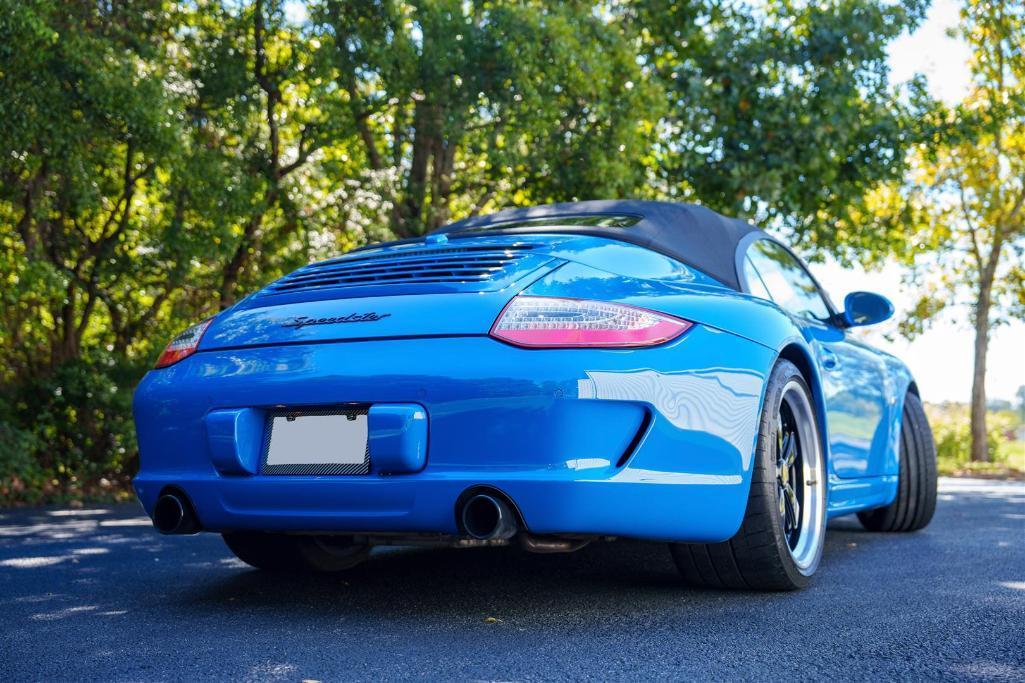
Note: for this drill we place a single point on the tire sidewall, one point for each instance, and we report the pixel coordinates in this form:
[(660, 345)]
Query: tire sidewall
[(330, 554), (783, 374)]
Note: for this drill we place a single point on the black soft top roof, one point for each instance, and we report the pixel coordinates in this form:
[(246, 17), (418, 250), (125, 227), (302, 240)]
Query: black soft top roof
[(689, 233)]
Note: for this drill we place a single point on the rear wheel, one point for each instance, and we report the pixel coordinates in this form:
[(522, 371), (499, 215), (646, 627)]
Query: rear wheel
[(285, 553), (915, 503), (779, 544)]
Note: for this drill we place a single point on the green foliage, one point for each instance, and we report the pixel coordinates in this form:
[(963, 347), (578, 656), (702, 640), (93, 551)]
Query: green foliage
[(85, 121), (951, 427), (784, 113), (158, 160), (70, 434), (468, 106)]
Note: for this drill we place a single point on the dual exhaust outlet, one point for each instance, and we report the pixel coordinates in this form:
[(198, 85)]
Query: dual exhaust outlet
[(173, 514), (488, 518), (484, 517)]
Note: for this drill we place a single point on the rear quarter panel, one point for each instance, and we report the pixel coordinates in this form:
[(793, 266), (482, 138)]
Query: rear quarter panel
[(764, 324)]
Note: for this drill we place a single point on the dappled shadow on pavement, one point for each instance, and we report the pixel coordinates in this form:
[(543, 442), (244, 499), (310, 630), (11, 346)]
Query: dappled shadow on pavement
[(500, 581), (101, 590)]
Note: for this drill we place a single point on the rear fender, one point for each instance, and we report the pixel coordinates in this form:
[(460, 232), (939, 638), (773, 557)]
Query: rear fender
[(760, 327), (740, 314)]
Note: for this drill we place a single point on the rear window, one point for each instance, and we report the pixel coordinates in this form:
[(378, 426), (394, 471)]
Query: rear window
[(588, 221)]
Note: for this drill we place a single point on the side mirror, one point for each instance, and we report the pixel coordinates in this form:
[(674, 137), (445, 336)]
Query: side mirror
[(865, 308)]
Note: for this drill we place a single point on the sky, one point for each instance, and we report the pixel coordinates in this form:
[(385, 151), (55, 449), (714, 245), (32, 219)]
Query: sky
[(942, 358)]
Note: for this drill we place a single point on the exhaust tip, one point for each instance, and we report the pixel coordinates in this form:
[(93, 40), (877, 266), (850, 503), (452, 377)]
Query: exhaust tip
[(486, 517), (173, 515)]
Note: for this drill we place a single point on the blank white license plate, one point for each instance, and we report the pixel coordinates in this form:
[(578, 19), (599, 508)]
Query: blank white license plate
[(317, 444)]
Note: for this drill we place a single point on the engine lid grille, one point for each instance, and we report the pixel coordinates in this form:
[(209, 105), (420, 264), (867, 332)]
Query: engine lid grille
[(463, 268)]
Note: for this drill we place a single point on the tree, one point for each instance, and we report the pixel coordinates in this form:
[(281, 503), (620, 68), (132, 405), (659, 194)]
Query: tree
[(465, 106), (991, 180), (959, 220), (85, 130), (782, 114), (260, 118), (85, 126)]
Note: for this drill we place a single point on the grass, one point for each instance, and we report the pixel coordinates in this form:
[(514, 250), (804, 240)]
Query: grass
[(950, 425), (982, 470)]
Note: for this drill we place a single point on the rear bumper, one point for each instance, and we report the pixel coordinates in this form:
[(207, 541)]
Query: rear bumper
[(684, 507), (582, 441)]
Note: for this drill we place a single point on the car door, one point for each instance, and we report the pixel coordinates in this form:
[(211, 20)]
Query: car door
[(853, 375)]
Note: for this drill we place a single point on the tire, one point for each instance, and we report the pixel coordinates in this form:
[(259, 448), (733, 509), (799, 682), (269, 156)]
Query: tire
[(915, 503), (773, 550), (284, 553)]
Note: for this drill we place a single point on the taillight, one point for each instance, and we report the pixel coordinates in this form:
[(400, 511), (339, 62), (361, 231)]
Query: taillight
[(549, 322), (184, 345)]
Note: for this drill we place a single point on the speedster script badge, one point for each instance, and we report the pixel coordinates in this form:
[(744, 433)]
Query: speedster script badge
[(302, 321)]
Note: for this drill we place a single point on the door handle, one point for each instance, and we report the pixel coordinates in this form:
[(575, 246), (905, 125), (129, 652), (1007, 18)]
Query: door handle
[(829, 359)]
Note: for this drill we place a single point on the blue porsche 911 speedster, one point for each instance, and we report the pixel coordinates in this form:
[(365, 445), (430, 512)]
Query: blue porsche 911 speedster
[(547, 376)]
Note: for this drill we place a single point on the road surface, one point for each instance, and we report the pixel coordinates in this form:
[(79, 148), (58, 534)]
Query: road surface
[(96, 594)]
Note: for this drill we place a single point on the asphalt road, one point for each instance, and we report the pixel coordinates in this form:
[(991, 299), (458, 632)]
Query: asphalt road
[(96, 594)]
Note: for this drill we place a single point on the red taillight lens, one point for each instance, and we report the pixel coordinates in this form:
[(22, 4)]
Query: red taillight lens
[(184, 345), (549, 322)]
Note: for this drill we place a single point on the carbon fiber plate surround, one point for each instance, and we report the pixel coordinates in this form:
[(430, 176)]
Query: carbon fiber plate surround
[(317, 468)]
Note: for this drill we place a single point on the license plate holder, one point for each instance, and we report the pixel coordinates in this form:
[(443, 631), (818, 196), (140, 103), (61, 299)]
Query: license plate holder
[(321, 441)]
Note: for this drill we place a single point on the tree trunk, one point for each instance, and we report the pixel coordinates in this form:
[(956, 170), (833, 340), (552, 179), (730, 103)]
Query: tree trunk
[(249, 246), (412, 204), (239, 260), (980, 445), (441, 181)]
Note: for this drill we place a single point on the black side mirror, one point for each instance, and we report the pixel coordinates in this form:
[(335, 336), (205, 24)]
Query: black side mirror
[(866, 308)]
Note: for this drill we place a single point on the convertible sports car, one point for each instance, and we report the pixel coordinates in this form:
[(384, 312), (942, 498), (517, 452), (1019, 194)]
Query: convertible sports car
[(549, 376)]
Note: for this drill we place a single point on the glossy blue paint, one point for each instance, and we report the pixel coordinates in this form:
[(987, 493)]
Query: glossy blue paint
[(235, 438), (851, 495), (652, 443), (856, 399), (398, 438), (550, 428), (866, 308), (431, 309)]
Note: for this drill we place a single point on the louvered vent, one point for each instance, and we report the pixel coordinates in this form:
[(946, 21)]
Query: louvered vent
[(469, 264)]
